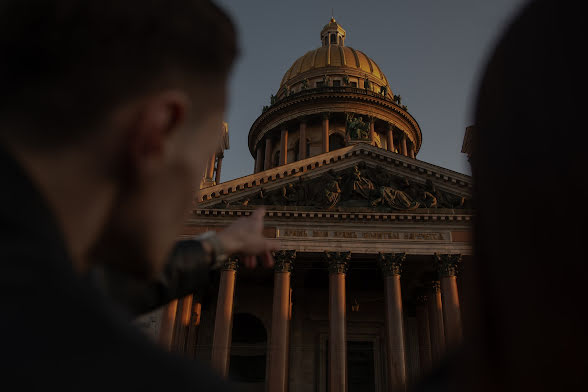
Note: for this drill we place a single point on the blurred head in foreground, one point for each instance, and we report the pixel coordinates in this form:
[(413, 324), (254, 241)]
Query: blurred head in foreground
[(524, 320), (125, 100)]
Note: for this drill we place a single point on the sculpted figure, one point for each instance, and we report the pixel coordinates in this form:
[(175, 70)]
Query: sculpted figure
[(397, 99), (332, 192), (395, 199), (289, 194), (444, 199), (305, 84), (356, 128), (346, 80), (429, 200), (272, 99), (366, 83), (383, 90), (362, 185)]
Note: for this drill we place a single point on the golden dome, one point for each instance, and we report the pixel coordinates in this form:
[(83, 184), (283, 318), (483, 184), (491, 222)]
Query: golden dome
[(328, 57), (335, 59)]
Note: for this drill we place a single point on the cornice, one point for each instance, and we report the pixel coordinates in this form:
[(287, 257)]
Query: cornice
[(444, 177), (414, 217)]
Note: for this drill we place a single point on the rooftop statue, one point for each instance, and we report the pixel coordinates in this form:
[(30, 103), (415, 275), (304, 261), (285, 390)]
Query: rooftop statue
[(357, 129)]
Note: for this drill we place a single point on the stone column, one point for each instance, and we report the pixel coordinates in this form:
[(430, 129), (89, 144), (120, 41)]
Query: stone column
[(219, 166), (166, 333), (411, 151), (326, 132), (391, 265), (436, 328), (267, 163), (338, 265), (284, 146), (390, 137), (221, 341), (210, 169), (192, 335), (403, 145), (448, 269), (302, 153), (422, 315), (259, 160), (182, 327), (278, 349), (372, 130)]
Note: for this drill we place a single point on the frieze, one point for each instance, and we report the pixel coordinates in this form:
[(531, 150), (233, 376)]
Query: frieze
[(363, 235)]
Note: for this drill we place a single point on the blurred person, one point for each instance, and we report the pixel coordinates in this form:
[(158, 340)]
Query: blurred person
[(524, 317), (108, 113)]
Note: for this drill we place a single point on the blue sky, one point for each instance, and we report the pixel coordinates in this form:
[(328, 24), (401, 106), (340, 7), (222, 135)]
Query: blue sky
[(431, 51)]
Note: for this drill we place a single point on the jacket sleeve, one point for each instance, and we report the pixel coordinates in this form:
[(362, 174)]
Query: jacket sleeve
[(187, 272)]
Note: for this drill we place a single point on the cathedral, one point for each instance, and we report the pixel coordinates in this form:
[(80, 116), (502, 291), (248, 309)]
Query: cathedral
[(364, 295)]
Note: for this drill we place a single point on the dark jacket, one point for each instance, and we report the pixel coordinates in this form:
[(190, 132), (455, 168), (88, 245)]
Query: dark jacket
[(186, 272), (58, 330)]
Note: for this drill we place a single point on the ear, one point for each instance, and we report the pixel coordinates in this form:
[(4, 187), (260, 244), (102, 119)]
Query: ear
[(156, 121)]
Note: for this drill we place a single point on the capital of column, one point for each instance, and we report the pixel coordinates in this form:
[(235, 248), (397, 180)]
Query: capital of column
[(284, 260), (325, 115), (447, 264), (232, 263), (338, 262), (436, 286), (391, 263)]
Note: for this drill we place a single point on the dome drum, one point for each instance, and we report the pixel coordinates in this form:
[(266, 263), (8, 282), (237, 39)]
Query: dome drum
[(331, 97)]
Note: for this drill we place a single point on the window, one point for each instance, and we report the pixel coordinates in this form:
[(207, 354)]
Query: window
[(353, 84), (320, 84), (333, 38), (276, 160), (336, 83), (336, 141)]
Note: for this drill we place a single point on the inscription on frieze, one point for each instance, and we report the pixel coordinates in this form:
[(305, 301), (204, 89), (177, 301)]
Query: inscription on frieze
[(364, 235), (295, 233)]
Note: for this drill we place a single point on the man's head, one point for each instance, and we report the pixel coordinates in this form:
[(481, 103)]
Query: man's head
[(138, 86)]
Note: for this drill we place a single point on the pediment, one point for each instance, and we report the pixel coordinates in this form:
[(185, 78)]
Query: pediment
[(357, 177)]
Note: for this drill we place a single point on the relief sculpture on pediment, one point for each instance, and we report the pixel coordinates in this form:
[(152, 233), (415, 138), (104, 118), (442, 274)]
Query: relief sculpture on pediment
[(359, 186)]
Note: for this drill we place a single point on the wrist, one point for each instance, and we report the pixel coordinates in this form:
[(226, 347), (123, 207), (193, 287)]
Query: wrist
[(214, 246)]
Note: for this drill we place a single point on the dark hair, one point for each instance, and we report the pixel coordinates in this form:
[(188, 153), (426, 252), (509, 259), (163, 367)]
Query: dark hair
[(65, 63)]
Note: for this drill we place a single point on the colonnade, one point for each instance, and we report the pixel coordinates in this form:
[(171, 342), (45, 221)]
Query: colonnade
[(437, 312), (263, 158)]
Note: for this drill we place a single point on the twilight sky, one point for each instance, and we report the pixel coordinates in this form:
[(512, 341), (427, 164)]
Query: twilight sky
[(431, 51)]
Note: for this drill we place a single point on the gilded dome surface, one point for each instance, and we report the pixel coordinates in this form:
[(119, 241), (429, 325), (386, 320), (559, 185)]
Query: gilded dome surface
[(335, 56)]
